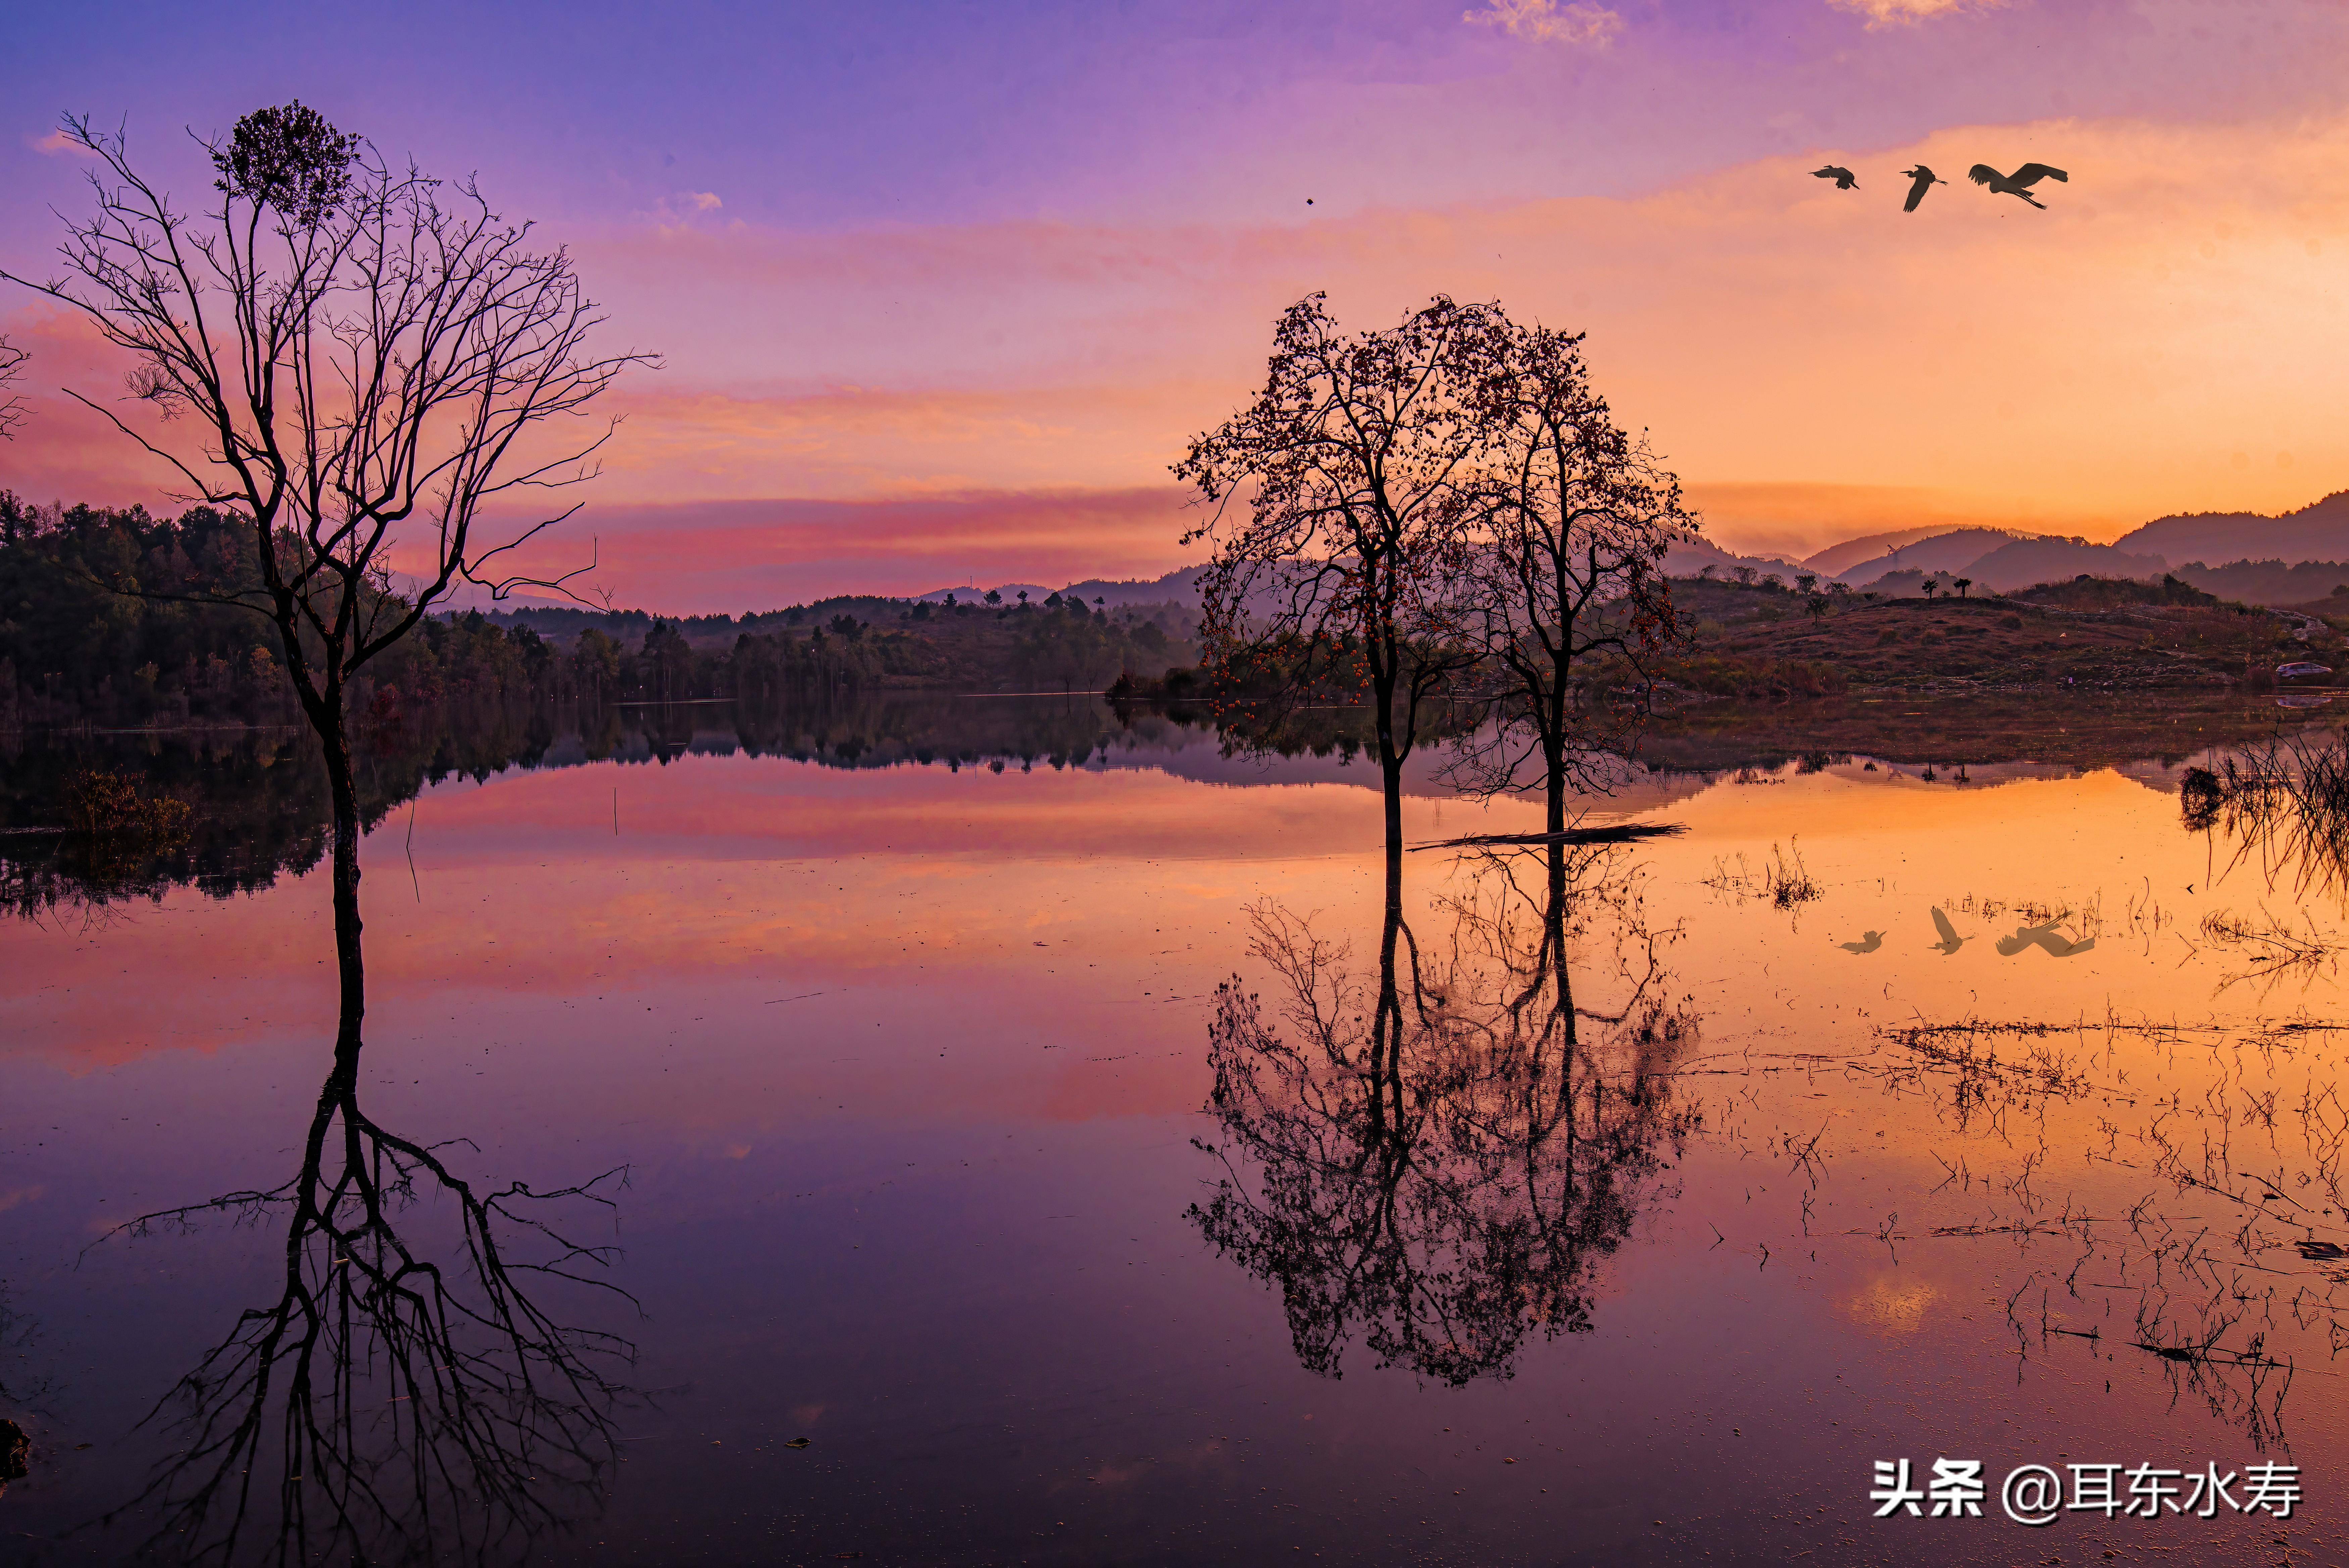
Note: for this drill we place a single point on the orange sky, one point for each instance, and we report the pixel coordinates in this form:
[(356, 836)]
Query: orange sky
[(1000, 391)]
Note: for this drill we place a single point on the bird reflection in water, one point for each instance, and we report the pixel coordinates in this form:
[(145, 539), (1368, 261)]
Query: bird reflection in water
[(1950, 940), (409, 1395), (2045, 937), (1435, 1158)]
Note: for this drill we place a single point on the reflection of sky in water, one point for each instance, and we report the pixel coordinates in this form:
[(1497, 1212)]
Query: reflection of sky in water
[(906, 1065)]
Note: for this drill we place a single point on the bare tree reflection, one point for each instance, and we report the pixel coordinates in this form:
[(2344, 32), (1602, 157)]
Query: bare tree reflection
[(22, 1393), (409, 1396), (1436, 1159)]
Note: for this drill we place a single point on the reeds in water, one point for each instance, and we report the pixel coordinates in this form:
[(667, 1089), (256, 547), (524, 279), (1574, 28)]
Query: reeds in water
[(2287, 802)]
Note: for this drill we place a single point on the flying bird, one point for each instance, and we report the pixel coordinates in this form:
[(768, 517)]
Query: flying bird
[(1869, 942), (1843, 177), (1951, 941), (1925, 180), (2018, 183)]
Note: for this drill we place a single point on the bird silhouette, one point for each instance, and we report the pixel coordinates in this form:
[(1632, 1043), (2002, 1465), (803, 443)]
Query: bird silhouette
[(1925, 180), (2025, 936), (1951, 941), (1843, 177), (2047, 936), (1869, 942), (2018, 183)]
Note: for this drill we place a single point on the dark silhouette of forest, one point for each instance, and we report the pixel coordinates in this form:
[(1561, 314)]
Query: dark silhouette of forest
[(256, 796), (106, 619)]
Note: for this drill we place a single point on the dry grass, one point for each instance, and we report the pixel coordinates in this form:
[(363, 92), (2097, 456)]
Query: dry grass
[(1784, 881), (2286, 802)]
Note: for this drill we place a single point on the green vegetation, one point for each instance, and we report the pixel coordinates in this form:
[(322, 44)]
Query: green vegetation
[(101, 803)]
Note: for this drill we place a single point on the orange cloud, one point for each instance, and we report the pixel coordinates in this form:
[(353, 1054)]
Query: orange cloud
[(1900, 13), (1575, 24), (2170, 335), (863, 441), (748, 555), (57, 141), (65, 451), (2163, 337)]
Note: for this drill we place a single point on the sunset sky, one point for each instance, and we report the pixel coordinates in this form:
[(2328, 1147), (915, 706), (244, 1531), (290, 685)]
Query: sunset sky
[(941, 290)]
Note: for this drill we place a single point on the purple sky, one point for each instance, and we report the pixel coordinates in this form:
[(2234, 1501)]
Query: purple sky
[(1000, 260)]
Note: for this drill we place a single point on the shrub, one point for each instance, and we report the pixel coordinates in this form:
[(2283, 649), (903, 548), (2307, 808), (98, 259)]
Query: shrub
[(1757, 678), (103, 804)]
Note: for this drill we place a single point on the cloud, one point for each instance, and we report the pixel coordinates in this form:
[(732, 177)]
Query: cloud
[(740, 555), (675, 211), (57, 141), (63, 450), (1575, 22), (847, 442), (1816, 363), (1908, 13)]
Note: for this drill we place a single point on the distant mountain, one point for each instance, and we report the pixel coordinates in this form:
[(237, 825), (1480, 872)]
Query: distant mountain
[(1954, 549), (2259, 559), (1180, 586), (1837, 559), (1010, 592), (2315, 532), (2273, 581), (2020, 562), (1691, 556)]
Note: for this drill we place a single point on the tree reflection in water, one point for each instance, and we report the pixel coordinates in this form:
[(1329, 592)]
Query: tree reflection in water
[(1438, 1158), (407, 1397)]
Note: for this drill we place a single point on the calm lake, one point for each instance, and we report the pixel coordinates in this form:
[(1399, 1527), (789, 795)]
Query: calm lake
[(940, 1135)]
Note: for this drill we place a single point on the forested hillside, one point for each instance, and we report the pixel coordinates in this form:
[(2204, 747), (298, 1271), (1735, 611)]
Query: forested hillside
[(115, 617)]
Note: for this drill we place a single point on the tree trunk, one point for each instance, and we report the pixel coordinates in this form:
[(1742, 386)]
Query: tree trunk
[(1554, 815), (1382, 684), (350, 966), (1556, 701), (1387, 1015)]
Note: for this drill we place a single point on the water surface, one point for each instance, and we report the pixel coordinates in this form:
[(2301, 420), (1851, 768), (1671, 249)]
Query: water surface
[(958, 1104)]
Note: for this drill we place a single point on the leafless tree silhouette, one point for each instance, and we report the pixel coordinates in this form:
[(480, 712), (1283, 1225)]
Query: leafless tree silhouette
[(408, 1396), (1438, 1161), (1350, 466), (358, 358), (12, 371), (1563, 567)]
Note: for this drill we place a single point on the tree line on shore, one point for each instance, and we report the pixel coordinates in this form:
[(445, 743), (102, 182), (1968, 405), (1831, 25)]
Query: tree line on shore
[(112, 617), (92, 820)]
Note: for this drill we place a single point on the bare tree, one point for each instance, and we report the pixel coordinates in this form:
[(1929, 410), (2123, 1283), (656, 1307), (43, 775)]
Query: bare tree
[(11, 407), (1567, 563), (358, 359), (1350, 464), (408, 1395), (1438, 1161)]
